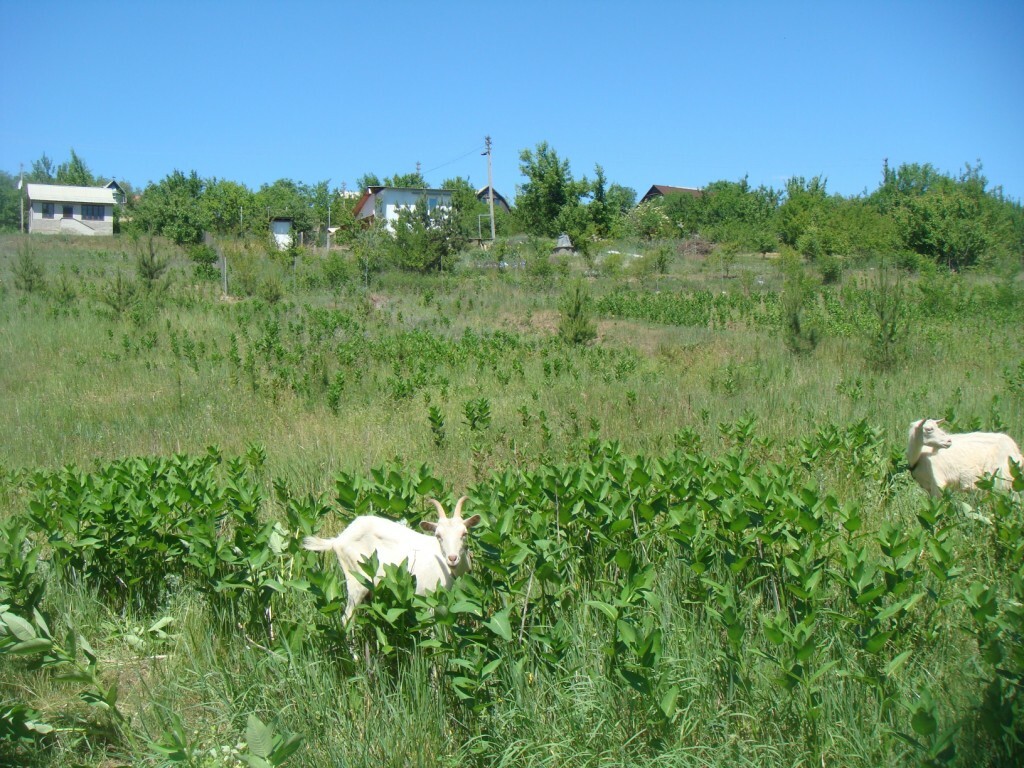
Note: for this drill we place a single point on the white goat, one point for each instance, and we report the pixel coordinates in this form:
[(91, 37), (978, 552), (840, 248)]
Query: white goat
[(432, 560), (938, 459)]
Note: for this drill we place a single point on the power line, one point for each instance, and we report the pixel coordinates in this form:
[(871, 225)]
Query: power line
[(454, 160)]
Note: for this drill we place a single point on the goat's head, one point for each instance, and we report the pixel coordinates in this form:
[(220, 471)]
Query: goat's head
[(451, 531), (932, 435)]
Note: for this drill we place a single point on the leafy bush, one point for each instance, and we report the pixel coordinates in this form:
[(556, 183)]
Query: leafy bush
[(337, 270), (647, 221), (612, 264), (271, 289), (831, 268), (205, 259), (577, 573), (425, 240), (253, 274)]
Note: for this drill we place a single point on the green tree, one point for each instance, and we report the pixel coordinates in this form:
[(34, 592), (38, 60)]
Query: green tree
[(290, 200), (371, 247), (865, 230), (549, 187), (800, 334), (908, 181), (426, 240), (230, 207), (747, 214), (575, 325), (42, 171), (728, 212), (887, 337), (10, 202), (29, 272), (343, 217), (806, 205), (946, 224), (576, 222), (319, 196), (958, 222), (619, 200), (1006, 220), (150, 265), (172, 208), (407, 181), (367, 180), (648, 221), (598, 208), (466, 208), (725, 256), (75, 172), (684, 212)]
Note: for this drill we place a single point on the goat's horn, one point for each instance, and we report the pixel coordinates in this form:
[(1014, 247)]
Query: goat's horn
[(458, 507), (440, 509)]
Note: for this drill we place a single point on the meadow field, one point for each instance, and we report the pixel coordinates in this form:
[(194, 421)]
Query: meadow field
[(701, 544)]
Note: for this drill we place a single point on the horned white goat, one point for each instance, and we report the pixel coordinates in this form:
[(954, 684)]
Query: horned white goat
[(938, 459), (433, 560)]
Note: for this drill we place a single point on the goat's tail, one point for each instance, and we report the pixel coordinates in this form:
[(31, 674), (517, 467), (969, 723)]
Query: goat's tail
[(316, 544)]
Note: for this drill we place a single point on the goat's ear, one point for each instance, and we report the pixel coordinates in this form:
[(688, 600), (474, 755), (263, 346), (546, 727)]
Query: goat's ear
[(470, 522), (428, 525)]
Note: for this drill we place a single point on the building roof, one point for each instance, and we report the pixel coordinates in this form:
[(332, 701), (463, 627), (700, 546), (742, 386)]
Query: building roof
[(660, 190), (60, 193), (481, 194)]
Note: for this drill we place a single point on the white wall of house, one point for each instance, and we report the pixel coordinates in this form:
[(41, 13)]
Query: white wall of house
[(386, 203), (55, 209), (68, 218)]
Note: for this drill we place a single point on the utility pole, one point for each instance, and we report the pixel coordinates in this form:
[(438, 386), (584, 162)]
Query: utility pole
[(21, 194), (490, 184)]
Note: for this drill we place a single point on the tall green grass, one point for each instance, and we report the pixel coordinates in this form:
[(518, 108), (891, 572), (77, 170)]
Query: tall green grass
[(337, 386)]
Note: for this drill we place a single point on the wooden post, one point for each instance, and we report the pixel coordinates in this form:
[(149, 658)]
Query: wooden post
[(490, 185)]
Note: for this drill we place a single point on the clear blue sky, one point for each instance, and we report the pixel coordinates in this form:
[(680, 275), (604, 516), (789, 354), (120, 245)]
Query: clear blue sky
[(673, 92)]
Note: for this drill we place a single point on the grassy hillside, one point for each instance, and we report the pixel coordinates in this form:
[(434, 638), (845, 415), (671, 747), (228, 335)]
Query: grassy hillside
[(700, 546)]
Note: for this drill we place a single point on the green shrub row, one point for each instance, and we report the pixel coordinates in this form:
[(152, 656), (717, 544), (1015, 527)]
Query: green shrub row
[(802, 594)]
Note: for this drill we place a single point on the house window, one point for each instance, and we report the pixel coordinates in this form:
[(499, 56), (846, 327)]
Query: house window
[(92, 212), (69, 211), (47, 210)]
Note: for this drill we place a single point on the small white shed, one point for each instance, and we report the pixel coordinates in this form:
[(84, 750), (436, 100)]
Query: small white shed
[(281, 231)]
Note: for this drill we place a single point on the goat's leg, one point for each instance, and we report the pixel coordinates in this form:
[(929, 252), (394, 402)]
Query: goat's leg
[(356, 593)]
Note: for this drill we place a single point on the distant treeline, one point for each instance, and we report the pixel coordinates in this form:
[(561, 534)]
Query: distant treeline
[(917, 214)]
